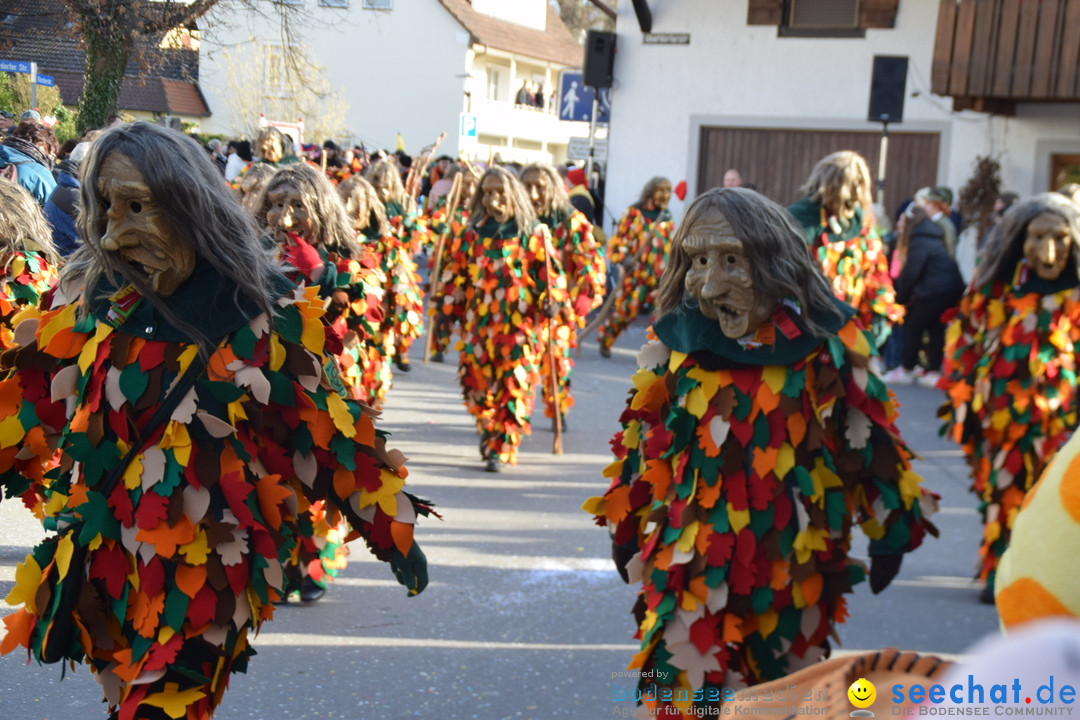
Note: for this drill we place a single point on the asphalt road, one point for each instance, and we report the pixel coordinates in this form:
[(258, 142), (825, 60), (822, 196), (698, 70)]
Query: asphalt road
[(525, 616)]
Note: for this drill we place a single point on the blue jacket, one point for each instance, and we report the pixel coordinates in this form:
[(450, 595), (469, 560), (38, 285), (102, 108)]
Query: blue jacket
[(60, 211), (33, 176)]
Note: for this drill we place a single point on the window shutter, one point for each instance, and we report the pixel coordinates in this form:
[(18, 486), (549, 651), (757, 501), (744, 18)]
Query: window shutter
[(765, 12), (824, 14), (878, 13)]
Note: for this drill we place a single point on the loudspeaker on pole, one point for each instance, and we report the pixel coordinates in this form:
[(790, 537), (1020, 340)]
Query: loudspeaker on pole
[(887, 88), (599, 59)]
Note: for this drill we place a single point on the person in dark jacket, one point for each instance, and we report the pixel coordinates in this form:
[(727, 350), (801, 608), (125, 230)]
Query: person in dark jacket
[(63, 204), (928, 285)]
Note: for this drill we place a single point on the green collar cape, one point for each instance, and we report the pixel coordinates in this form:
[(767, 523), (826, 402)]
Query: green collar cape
[(499, 231), (206, 300), (807, 213), (689, 331)]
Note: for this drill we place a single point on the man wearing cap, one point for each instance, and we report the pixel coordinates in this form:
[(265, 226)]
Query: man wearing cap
[(937, 201)]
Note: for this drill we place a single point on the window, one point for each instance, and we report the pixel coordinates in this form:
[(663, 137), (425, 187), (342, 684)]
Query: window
[(823, 18), (334, 3), (823, 14), (493, 83), (378, 4)]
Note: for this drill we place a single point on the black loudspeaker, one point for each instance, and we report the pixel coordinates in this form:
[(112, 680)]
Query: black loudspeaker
[(887, 88), (599, 58)]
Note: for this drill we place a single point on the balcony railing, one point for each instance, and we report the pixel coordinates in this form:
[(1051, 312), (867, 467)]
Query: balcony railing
[(991, 54)]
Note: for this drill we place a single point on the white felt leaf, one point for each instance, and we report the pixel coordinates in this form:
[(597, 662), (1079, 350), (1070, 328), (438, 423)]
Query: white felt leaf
[(25, 333), (811, 618), (196, 503), (232, 552), (273, 575), (113, 393), (652, 354), (260, 325), (214, 425), (64, 383), (127, 538), (185, 409), (242, 615), (858, 428), (718, 430), (215, 634), (306, 467), (366, 514), (634, 569), (406, 513), (153, 467), (148, 676), (309, 379), (717, 598), (685, 656)]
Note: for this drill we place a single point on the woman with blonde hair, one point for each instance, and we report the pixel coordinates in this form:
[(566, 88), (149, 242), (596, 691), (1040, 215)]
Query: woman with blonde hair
[(27, 257)]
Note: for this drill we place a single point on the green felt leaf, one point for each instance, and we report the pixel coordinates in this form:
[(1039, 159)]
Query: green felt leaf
[(890, 494), (98, 518), (95, 460), (743, 405), (835, 508), (282, 391), (794, 383), (715, 576), (684, 385), (671, 534), (133, 382), (761, 431), (139, 646), (899, 535), (289, 323), (243, 343), (224, 392), (682, 426), (176, 605), (344, 450), (761, 520), (171, 477), (719, 517), (302, 440), (787, 539), (855, 574), (805, 482), (761, 599)]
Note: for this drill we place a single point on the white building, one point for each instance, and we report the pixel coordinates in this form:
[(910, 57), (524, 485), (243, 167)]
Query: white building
[(770, 86), (415, 67)]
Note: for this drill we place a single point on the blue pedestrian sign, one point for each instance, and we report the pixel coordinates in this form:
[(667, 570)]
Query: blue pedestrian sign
[(25, 67), (46, 80), (576, 100)]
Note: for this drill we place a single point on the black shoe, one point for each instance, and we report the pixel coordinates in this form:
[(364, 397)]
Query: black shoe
[(605, 352), (986, 595), (310, 591), (403, 365), (438, 357), (492, 465)]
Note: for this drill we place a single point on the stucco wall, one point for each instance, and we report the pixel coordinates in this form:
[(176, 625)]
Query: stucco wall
[(736, 74), (401, 70)]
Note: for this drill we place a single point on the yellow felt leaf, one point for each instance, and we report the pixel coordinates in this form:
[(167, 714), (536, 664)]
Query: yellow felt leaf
[(177, 438), (11, 431), (909, 488), (27, 579), (632, 435), (339, 413), (785, 461), (676, 360), (175, 701), (187, 356), (89, 350), (613, 470), (197, 550), (64, 549), (63, 320), (773, 376), (236, 411), (995, 311), (710, 381), (738, 518), (277, 353), (384, 496), (594, 505), (696, 402), (56, 503), (133, 472), (685, 543), (767, 622), (313, 336), (807, 541)]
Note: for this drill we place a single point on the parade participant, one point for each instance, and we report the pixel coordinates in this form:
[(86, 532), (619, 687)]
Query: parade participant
[(640, 245), (838, 226), (378, 250), (273, 147), (583, 265), (250, 184), (408, 298), (498, 287), (755, 439), (27, 256), (181, 381), (26, 157), (1010, 362), (448, 219)]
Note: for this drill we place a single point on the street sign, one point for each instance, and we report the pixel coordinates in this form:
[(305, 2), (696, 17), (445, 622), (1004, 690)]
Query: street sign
[(578, 149), (576, 99), (16, 66), (46, 80), (467, 125)]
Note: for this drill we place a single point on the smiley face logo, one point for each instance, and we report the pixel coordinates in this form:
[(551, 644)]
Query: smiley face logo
[(862, 693)]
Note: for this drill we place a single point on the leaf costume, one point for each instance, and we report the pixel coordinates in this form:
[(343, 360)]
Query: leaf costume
[(496, 286), (27, 276), (453, 227), (855, 264), (184, 557), (405, 315), (740, 469), (1010, 376), (643, 240), (583, 263)]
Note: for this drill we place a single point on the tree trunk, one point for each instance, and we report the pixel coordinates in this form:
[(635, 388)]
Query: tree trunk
[(108, 49)]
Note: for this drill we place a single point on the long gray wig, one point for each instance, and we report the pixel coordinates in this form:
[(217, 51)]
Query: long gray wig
[(559, 200), (22, 226), (523, 209), (1005, 246), (332, 230), (191, 194)]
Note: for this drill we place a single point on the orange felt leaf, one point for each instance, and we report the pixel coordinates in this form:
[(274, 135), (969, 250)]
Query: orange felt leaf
[(19, 626), (217, 367), (655, 396), (617, 504), (402, 533), (766, 399), (322, 429), (765, 460), (190, 578), (796, 428), (365, 431), (81, 420), (65, 343), (811, 588), (11, 395), (35, 440), (165, 539), (136, 346), (780, 575), (145, 612), (960, 392), (271, 492), (124, 669), (699, 589), (77, 495), (732, 633), (705, 441), (658, 475), (664, 557), (841, 612), (344, 482), (708, 494)]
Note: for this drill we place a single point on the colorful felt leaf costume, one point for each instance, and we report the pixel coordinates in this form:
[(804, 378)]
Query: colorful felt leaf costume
[(740, 469), (27, 276), (497, 287), (404, 296), (586, 272), (854, 261), (184, 557), (641, 242), (1010, 374), (452, 228)]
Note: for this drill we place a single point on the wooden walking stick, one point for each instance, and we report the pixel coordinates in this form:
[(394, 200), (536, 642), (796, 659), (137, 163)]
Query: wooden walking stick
[(452, 199), (556, 444)]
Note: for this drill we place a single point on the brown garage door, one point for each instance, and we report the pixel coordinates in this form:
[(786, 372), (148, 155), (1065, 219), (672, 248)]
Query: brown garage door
[(777, 162)]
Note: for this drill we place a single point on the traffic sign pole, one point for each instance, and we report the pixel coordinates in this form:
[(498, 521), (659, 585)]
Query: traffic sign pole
[(33, 85)]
